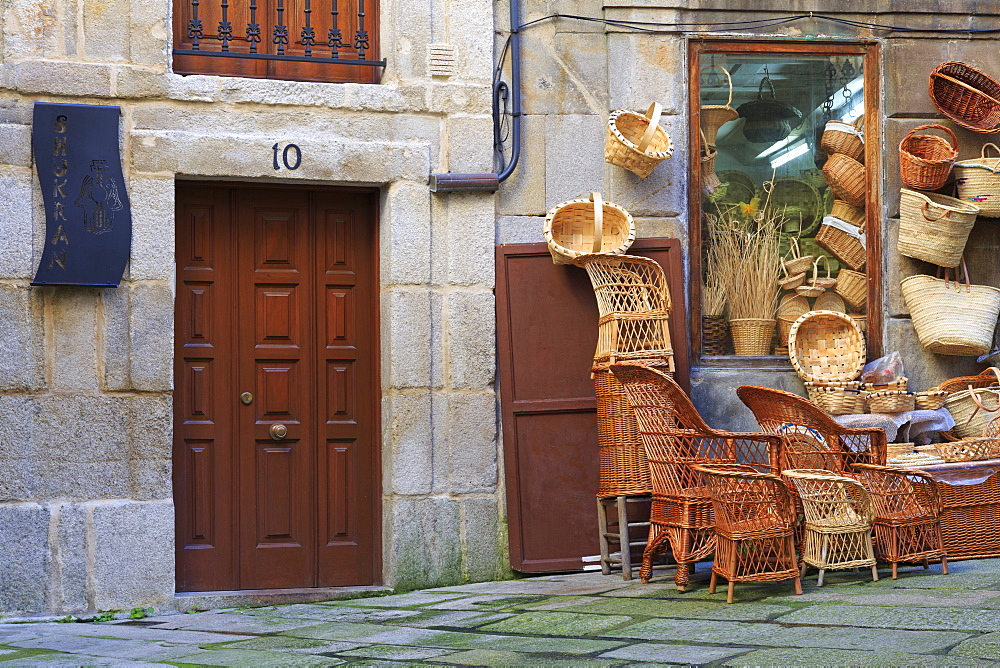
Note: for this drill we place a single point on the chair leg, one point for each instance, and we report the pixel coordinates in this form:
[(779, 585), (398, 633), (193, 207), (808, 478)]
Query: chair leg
[(927, 564), (712, 582), (656, 541), (798, 585), (895, 570), (624, 540), (683, 576), (602, 528), (732, 590), (875, 572), (944, 566)]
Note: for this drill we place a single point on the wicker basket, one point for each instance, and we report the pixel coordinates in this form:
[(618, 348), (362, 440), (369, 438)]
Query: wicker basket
[(978, 182), (709, 179), (900, 384), (934, 228), (853, 287), (797, 263), (791, 281), (580, 226), (929, 400), (837, 400), (624, 470), (973, 410), (637, 142), (812, 288), (845, 241), (789, 310), (839, 137), (714, 335), (970, 449), (752, 336), (714, 116), (799, 202), (846, 177), (925, 161), (855, 215), (826, 346), (830, 301), (966, 95), (890, 401), (893, 450), (861, 320)]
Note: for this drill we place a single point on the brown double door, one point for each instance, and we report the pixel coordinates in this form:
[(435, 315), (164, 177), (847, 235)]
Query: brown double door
[(276, 402)]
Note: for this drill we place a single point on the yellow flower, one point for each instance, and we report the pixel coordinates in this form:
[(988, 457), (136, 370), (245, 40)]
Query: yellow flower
[(751, 208)]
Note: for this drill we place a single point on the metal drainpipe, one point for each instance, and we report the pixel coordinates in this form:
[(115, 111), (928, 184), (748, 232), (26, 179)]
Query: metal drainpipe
[(448, 182)]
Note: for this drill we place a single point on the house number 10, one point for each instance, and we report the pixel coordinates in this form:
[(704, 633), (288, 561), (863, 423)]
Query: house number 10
[(290, 148)]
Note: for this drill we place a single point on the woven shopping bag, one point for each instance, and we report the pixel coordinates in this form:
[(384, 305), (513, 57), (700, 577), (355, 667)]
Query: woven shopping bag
[(952, 317), (978, 181)]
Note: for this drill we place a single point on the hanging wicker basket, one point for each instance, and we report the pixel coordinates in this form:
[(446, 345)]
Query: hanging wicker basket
[(796, 262), (714, 116), (709, 179), (768, 119), (925, 161), (973, 409), (934, 228), (812, 288), (966, 95), (839, 137), (580, 226), (637, 142), (826, 346), (845, 241), (846, 177), (855, 215), (978, 182), (853, 287)]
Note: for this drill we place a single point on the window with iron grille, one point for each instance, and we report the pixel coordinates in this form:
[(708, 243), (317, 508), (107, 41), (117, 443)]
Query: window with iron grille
[(300, 40)]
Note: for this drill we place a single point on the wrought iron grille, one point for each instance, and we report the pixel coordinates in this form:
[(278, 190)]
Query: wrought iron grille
[(314, 32)]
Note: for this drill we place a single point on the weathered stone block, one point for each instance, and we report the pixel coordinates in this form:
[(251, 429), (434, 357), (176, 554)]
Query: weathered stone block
[(133, 553), (24, 557), (20, 472), (375, 97), (103, 37), (151, 329), (650, 68), (72, 314), (464, 240), (713, 392), (63, 78), (148, 33), (465, 443), (116, 351), (523, 193), (405, 235), (152, 254), (565, 74), (520, 230), (15, 144), (150, 447), (411, 319), (28, 30), (423, 542), (16, 229), (567, 176), (407, 425), (484, 540), (470, 143), (69, 555), (471, 323), (272, 92), (661, 227), (924, 369), (474, 42), (22, 338)]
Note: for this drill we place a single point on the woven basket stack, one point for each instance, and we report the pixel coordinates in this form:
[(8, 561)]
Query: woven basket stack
[(827, 350)]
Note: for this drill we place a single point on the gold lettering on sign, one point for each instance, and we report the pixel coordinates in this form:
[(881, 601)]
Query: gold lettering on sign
[(59, 169), (60, 235), (59, 259)]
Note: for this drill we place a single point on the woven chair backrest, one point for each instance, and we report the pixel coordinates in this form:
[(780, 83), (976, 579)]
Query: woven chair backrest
[(745, 500), (627, 284), (900, 494), (832, 500)]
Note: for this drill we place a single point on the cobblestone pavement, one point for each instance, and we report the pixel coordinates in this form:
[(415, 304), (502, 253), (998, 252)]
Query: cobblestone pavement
[(588, 619)]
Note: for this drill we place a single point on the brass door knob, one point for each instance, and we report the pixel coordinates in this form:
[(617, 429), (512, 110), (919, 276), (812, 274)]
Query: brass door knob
[(246, 398), (278, 431)]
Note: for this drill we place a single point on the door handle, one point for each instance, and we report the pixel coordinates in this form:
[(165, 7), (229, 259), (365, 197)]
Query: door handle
[(278, 431)]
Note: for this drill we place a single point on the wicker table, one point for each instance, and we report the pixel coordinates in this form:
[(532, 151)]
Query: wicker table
[(970, 494)]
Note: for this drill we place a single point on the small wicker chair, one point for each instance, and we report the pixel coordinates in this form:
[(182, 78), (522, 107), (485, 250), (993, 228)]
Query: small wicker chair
[(675, 438), (754, 526), (839, 516), (813, 440), (907, 515)]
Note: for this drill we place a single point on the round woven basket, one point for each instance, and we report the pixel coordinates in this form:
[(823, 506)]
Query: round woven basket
[(714, 334), (580, 226), (861, 320), (846, 177), (839, 137), (796, 263), (966, 95), (853, 287), (830, 301), (934, 228), (855, 215), (973, 410), (637, 142), (925, 161), (837, 400), (826, 346), (900, 383), (789, 310), (890, 401), (799, 202), (752, 336), (714, 116)]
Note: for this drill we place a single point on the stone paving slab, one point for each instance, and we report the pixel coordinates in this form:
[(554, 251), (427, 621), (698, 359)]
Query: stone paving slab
[(486, 657), (680, 654), (692, 609), (487, 602), (407, 600), (820, 657), (236, 657), (127, 632), (135, 650), (561, 585), (955, 619), (290, 644), (986, 646), (557, 624)]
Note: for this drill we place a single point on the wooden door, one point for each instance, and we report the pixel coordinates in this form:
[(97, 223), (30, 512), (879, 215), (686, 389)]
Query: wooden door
[(276, 419), (547, 333)]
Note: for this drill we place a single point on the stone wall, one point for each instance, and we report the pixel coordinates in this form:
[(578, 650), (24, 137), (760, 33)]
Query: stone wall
[(575, 72), (86, 508)]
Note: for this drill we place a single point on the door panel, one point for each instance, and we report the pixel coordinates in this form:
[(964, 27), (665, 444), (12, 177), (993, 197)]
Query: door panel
[(271, 288)]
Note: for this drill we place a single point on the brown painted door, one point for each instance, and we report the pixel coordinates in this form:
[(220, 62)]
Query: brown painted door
[(275, 388), (547, 333)]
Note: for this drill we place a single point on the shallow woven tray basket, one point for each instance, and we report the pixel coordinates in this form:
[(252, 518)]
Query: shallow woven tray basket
[(637, 142), (844, 399), (890, 401), (826, 346), (580, 226), (966, 95)]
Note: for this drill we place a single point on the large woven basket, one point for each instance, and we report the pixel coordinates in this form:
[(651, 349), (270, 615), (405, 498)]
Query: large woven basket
[(973, 409), (623, 468), (853, 287), (846, 177), (799, 202), (855, 215), (966, 95), (844, 399), (949, 316), (826, 346), (714, 335), (580, 226), (752, 336), (637, 142), (844, 240), (925, 161), (714, 116), (839, 137), (933, 227), (978, 182)]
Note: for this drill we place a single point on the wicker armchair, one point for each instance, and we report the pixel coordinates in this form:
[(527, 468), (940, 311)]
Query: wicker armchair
[(675, 438), (813, 440), (839, 516), (755, 520), (907, 515)]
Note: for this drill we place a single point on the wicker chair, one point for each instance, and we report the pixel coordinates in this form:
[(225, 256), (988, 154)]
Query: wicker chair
[(813, 440), (839, 516), (675, 438), (907, 515), (755, 519)]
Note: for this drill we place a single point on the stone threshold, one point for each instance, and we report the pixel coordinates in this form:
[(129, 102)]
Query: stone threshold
[(211, 600)]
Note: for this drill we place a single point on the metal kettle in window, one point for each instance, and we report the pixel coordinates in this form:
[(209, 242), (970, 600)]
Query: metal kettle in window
[(768, 120)]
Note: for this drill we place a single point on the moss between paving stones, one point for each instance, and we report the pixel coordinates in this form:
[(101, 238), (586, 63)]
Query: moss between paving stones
[(681, 609), (558, 624), (670, 653), (501, 658), (236, 657), (830, 657), (19, 654), (285, 643), (947, 619), (555, 646), (396, 652)]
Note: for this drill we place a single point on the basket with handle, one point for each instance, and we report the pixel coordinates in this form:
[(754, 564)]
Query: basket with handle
[(580, 226), (837, 399), (796, 263), (925, 160), (934, 228), (844, 240), (791, 281), (853, 287), (900, 383), (973, 409), (827, 281), (929, 400), (714, 116), (952, 317), (709, 179), (978, 181), (846, 138), (812, 288), (637, 142), (846, 177), (966, 95), (826, 346)]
